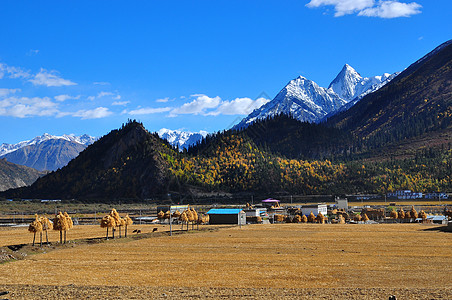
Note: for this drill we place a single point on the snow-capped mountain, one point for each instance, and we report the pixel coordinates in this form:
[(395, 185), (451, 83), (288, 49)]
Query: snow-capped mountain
[(181, 139), (46, 152), (307, 101), (82, 139)]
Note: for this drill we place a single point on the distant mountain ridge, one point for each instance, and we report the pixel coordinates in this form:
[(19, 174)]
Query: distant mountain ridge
[(307, 101), (181, 139), (46, 152)]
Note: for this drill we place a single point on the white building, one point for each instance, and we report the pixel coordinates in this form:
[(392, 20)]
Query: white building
[(316, 208)]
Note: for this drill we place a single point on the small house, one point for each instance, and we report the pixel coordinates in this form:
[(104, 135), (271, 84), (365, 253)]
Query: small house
[(227, 216), (316, 208)]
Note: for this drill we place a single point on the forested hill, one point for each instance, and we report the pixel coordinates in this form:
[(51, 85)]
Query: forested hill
[(417, 101), (125, 163)]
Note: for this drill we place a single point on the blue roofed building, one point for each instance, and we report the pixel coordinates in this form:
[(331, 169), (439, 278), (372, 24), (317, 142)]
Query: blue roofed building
[(227, 216)]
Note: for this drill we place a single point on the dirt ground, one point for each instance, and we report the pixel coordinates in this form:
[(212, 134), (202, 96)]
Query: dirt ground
[(297, 261)]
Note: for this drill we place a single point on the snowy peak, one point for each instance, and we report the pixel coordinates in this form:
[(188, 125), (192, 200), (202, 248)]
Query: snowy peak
[(181, 139), (307, 101), (345, 83), (85, 140)]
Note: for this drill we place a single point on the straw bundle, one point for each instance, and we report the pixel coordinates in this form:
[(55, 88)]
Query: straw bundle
[(394, 214), (296, 219), (161, 215), (70, 224), (401, 214), (320, 218), (195, 214), (341, 219), (60, 223), (357, 218), (413, 213), (365, 218), (34, 227), (167, 215), (422, 215), (107, 222), (304, 219), (46, 225), (279, 218), (311, 218), (176, 214), (127, 221)]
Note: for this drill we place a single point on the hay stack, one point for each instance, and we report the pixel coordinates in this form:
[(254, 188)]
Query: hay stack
[(413, 213), (60, 223), (401, 214), (304, 219), (365, 218), (422, 215), (296, 219), (46, 225), (320, 218), (311, 218), (195, 218), (341, 219), (34, 227), (127, 221), (107, 222), (357, 218), (161, 215), (115, 215), (278, 218), (184, 219), (167, 215), (176, 214), (394, 214), (288, 219)]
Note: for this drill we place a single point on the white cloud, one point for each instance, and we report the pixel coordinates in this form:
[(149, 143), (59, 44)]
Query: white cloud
[(163, 100), (97, 113), (120, 103), (239, 106), (117, 97), (369, 8), (33, 52), (391, 9), (13, 72), (101, 83), (28, 107), (6, 92), (147, 111), (104, 94), (199, 105), (342, 7), (62, 98), (51, 78)]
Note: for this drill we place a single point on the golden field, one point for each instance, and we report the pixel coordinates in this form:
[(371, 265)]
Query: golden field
[(298, 261)]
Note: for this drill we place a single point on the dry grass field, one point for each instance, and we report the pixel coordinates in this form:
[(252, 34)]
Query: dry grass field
[(293, 261)]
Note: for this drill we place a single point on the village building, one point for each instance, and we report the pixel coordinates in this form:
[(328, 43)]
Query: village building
[(227, 216)]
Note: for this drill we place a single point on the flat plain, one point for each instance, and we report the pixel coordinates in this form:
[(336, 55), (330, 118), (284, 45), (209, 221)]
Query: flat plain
[(301, 261)]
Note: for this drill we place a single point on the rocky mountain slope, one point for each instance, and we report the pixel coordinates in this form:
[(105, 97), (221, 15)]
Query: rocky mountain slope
[(14, 176)]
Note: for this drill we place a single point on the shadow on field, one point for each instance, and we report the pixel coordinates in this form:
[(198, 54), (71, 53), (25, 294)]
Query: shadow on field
[(438, 228)]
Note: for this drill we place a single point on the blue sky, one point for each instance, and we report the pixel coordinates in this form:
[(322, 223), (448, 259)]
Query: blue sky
[(88, 66)]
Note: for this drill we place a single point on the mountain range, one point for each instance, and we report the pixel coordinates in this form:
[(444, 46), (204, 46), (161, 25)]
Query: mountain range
[(182, 139), (307, 101), (269, 155), (46, 152)]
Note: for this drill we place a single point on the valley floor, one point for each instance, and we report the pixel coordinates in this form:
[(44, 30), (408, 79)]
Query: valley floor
[(298, 261)]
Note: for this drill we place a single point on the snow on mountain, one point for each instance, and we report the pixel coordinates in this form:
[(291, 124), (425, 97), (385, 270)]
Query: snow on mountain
[(83, 140), (181, 139), (307, 101)]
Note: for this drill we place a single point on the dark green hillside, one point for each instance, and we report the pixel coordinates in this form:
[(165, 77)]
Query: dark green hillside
[(416, 102), (126, 163)]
